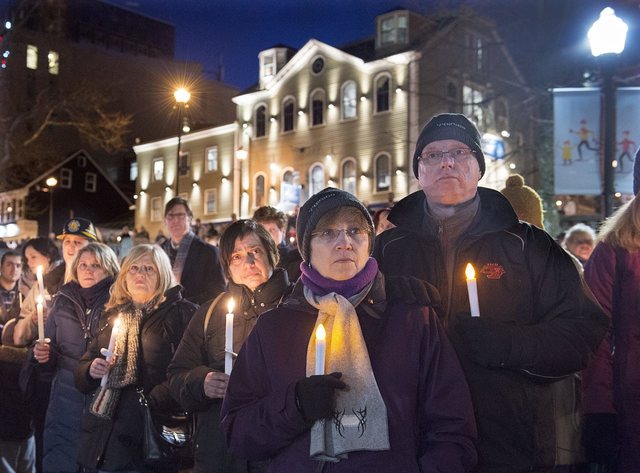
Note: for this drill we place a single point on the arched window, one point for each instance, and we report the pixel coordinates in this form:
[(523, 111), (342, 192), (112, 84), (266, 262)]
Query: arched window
[(382, 85), (260, 192), (316, 179), (261, 121), (317, 108), (288, 114), (348, 100), (383, 172), (349, 176)]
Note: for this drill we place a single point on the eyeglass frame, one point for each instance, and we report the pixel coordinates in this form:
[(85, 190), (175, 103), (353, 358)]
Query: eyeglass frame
[(145, 270), (437, 159), (353, 237)]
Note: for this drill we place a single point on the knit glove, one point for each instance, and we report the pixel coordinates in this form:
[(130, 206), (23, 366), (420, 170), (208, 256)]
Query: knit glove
[(487, 342), (412, 291), (315, 395), (600, 438)]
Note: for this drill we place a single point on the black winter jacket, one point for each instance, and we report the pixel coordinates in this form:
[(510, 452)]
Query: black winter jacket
[(539, 323), (202, 276), (116, 444), (196, 357)]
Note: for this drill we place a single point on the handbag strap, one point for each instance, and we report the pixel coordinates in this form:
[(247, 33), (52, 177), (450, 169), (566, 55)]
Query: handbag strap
[(210, 312)]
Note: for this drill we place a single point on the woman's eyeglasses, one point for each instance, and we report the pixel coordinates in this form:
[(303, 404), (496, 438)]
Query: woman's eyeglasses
[(331, 235), (141, 269)]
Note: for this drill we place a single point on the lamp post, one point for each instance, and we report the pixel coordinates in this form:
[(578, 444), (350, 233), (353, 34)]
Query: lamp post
[(607, 37), (241, 155), (51, 182), (182, 97)]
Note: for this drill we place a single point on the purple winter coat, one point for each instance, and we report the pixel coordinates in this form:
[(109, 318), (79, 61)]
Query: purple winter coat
[(612, 383), (431, 421)]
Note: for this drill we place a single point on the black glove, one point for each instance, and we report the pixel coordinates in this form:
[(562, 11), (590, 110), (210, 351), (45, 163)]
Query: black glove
[(315, 395), (411, 290), (487, 342), (600, 438)]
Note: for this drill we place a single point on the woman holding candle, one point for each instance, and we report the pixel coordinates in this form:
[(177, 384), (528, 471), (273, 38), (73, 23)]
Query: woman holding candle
[(197, 376), (395, 398), (152, 316), (71, 325)]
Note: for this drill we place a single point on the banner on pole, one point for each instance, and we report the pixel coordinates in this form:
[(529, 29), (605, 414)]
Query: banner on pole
[(627, 136), (576, 137)]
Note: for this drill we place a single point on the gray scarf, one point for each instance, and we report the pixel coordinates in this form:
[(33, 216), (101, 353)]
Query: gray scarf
[(181, 257), (125, 370), (360, 417)]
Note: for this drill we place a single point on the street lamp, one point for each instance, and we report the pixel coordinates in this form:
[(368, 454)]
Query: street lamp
[(182, 97), (241, 156), (607, 37), (51, 182)]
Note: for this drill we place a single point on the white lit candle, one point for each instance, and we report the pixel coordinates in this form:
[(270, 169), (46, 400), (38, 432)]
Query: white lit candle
[(109, 352), (228, 339), (321, 348), (39, 271), (40, 312), (472, 288)]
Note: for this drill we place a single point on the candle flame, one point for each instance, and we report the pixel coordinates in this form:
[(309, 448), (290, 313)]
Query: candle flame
[(39, 299), (321, 333), (470, 272), (230, 305), (39, 270)]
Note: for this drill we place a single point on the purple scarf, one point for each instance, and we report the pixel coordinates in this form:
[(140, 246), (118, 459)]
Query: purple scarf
[(322, 286)]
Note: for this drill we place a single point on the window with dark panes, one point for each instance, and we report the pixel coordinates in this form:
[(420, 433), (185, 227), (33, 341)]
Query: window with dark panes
[(289, 115), (383, 172), (261, 121), (382, 94), (317, 109)]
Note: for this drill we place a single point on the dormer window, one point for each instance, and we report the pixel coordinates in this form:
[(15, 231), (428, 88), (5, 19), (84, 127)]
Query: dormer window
[(393, 29), (268, 66)]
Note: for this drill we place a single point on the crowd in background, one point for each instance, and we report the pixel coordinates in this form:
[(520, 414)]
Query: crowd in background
[(89, 329)]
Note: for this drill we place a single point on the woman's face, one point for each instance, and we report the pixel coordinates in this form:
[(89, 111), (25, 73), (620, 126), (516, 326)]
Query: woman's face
[(142, 280), (89, 270), (249, 264), (340, 249), (35, 259)]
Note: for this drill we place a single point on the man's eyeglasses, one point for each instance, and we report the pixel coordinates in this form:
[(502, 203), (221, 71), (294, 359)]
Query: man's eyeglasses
[(457, 154), (331, 235), (176, 216), (89, 267), (141, 269)]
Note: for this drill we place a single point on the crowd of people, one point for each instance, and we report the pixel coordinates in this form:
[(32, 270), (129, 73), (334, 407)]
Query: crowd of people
[(369, 347)]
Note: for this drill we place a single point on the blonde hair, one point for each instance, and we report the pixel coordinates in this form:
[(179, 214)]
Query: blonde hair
[(105, 256), (120, 293), (623, 227)]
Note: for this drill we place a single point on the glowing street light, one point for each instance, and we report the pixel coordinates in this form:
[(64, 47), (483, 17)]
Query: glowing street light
[(51, 182)]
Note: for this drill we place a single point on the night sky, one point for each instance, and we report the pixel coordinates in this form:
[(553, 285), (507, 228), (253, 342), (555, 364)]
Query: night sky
[(233, 32)]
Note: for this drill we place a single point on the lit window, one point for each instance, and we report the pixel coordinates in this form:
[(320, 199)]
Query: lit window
[(133, 171), (402, 34), (65, 178), (261, 121), (317, 108), (210, 201), (90, 182), (212, 159), (316, 180), (349, 100), (349, 176), (156, 209), (288, 115), (260, 191), (383, 174), (54, 62), (269, 66), (387, 32), (472, 107), (158, 169), (382, 93), (32, 57)]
